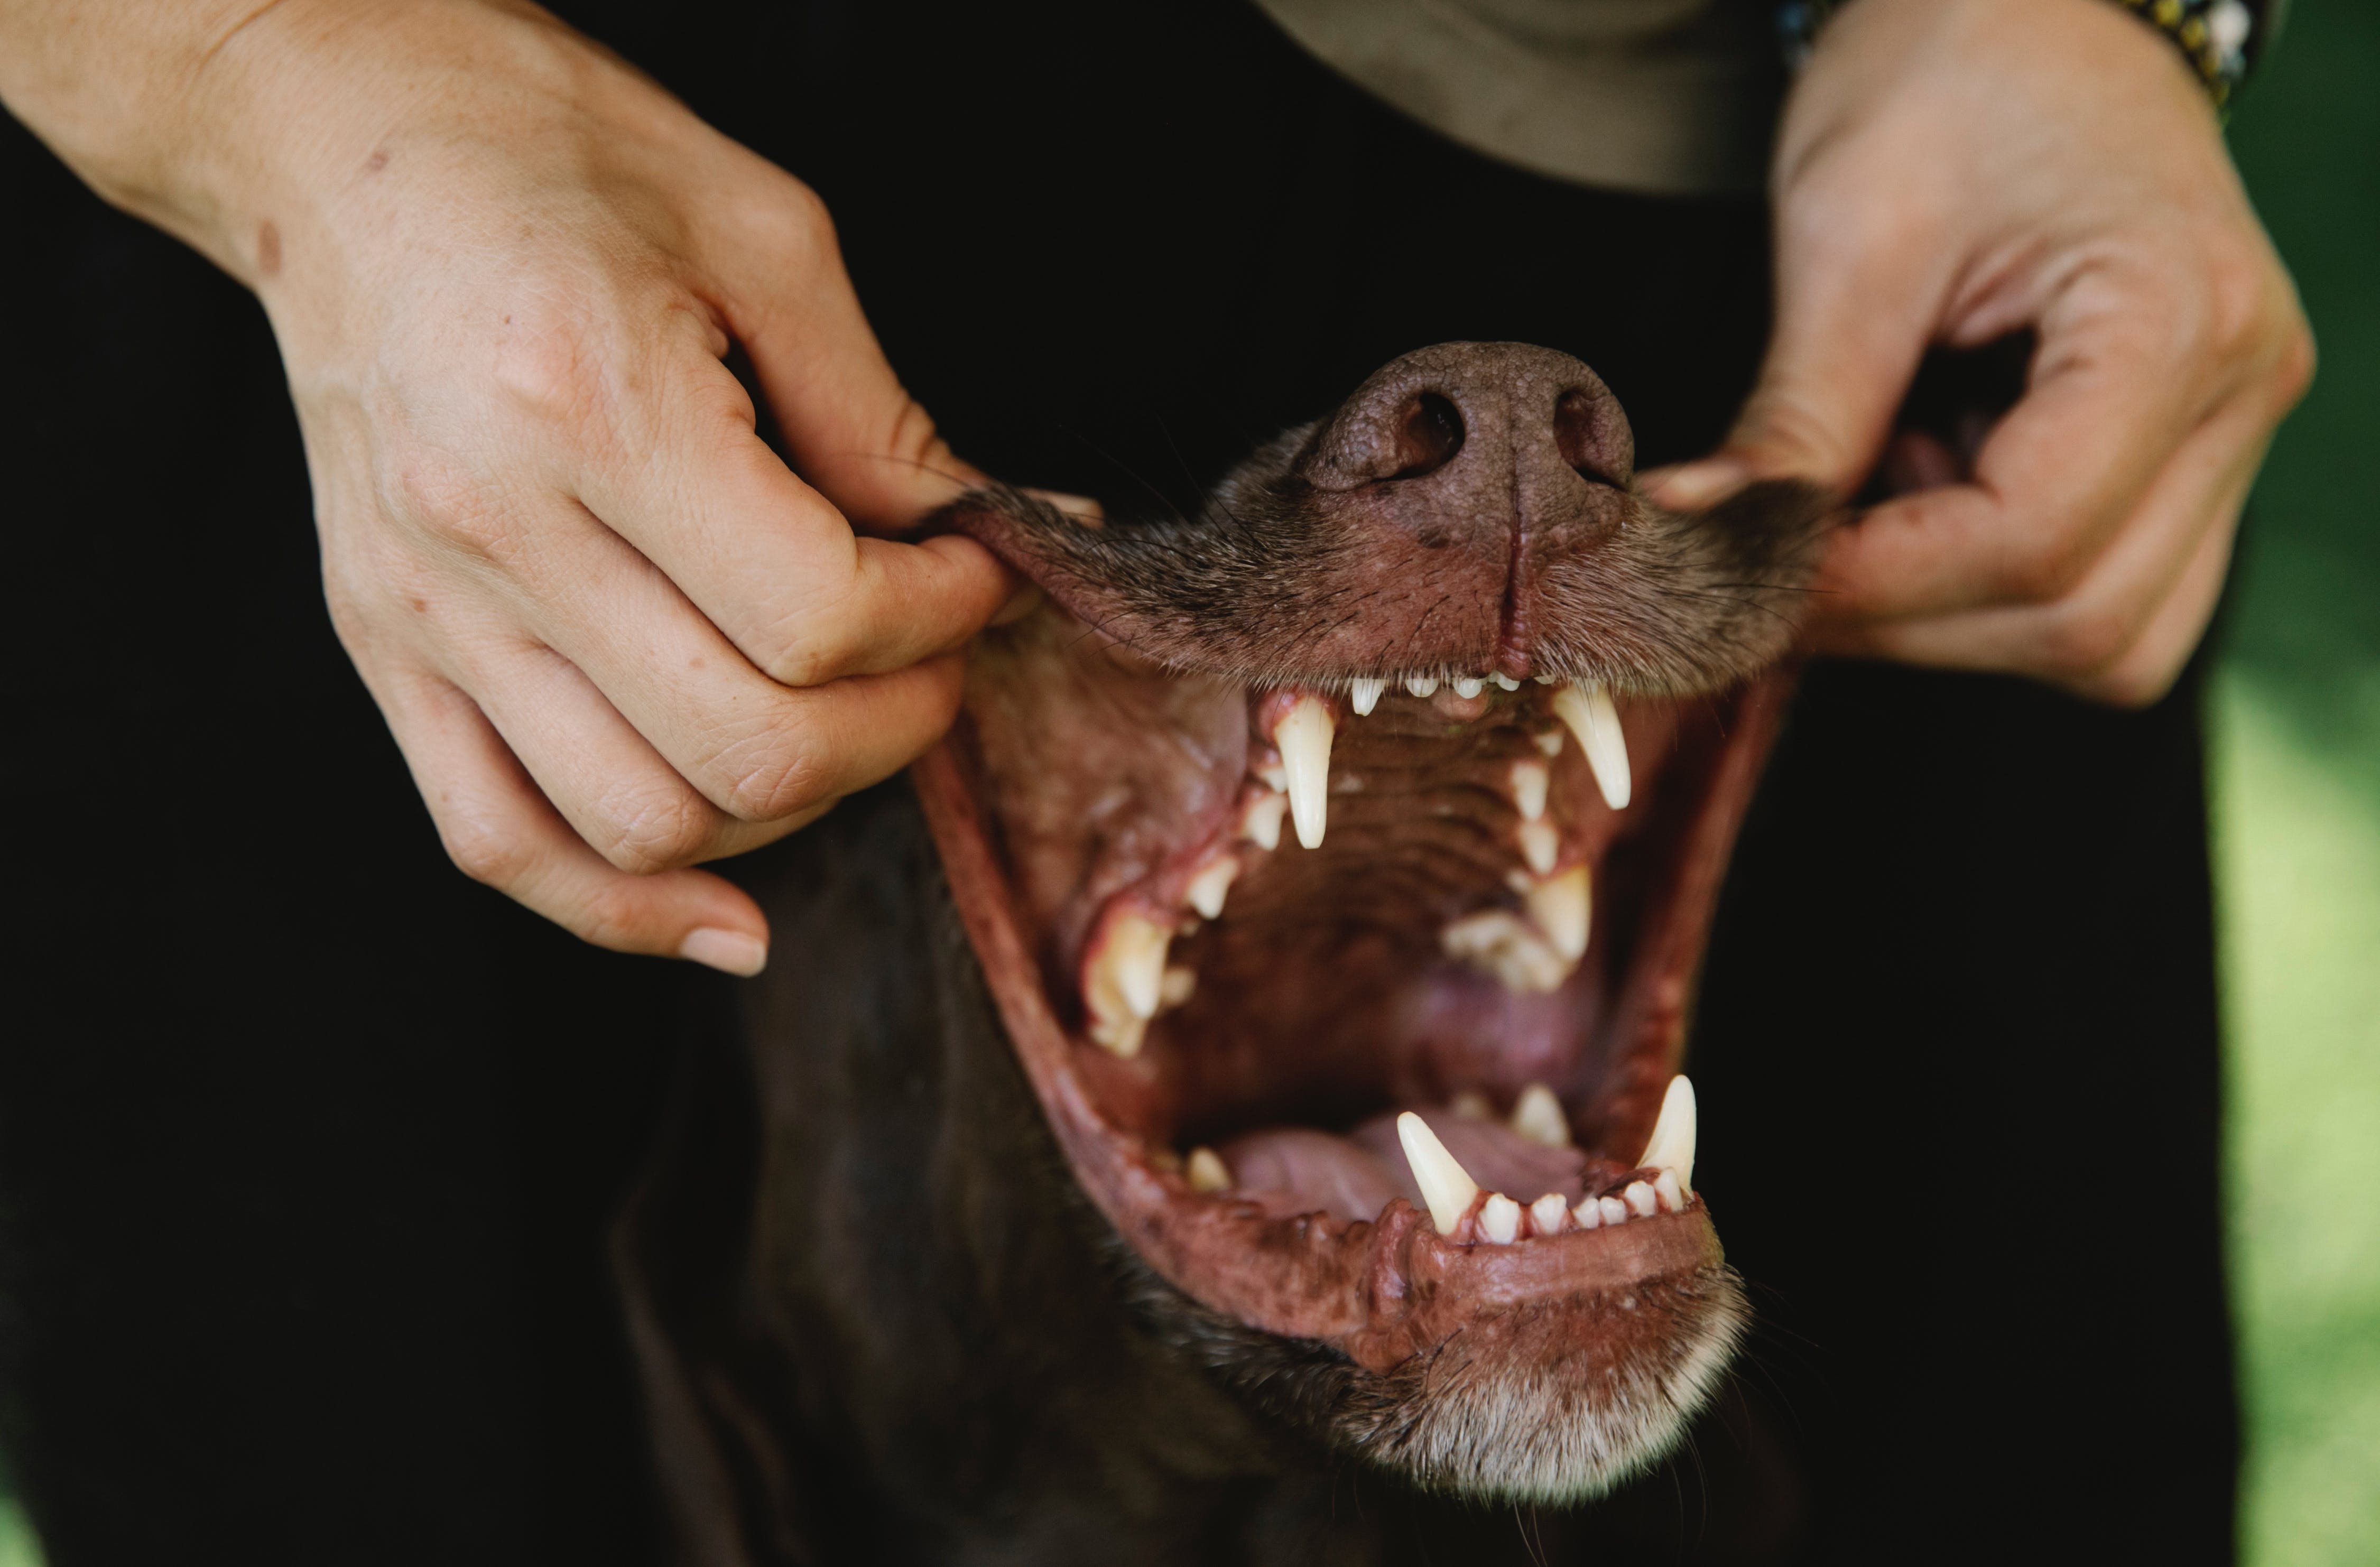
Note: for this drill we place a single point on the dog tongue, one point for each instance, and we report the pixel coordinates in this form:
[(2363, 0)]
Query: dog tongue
[(1294, 1170)]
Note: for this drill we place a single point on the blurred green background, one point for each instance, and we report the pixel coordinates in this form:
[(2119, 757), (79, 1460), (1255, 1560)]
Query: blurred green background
[(2296, 774)]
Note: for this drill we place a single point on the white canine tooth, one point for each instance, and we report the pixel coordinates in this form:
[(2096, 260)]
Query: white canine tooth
[(1665, 1186), (1445, 1186), (1586, 707), (1672, 1145), (1421, 685), (1587, 1215), (1550, 742), (1178, 986), (1540, 845), (1208, 1172), (1530, 781), (1537, 1116), (1499, 1219), (1505, 682), (1640, 1200), (1126, 983), (1260, 822), (1550, 1215), (1365, 695), (1563, 908), (1303, 735), (1497, 941), (1214, 879), (1468, 685), (1614, 1212)]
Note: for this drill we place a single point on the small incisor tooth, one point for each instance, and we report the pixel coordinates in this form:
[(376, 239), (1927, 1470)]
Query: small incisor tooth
[(1365, 695), (1505, 682), (1530, 781), (1549, 741), (1260, 822), (1126, 983), (1499, 1219), (1303, 737), (1561, 906), (1587, 1215), (1468, 685), (1550, 1215), (1640, 1200), (1672, 1145), (1214, 879), (1540, 845), (1421, 685), (1445, 1186), (1586, 707), (1208, 1172), (1665, 1186), (1537, 1116), (1614, 1212)]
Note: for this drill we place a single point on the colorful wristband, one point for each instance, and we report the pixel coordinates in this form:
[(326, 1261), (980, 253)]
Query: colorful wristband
[(2219, 38)]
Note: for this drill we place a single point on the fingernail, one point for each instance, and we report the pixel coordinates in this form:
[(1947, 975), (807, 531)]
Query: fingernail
[(1024, 602), (1695, 487), (1081, 508), (730, 952)]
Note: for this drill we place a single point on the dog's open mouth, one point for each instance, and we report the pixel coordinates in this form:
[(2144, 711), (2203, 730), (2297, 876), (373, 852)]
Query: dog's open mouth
[(1340, 863)]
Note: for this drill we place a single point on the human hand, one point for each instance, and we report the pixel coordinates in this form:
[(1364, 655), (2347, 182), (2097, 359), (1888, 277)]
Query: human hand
[(1948, 171), (613, 632)]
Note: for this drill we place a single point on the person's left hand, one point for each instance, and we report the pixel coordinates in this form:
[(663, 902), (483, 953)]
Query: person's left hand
[(1948, 171)]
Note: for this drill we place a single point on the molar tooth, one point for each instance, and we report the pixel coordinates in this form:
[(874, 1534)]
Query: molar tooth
[(1126, 983), (1672, 1145), (1468, 685), (1497, 941), (1540, 845), (1214, 879), (1665, 1186), (1586, 707), (1260, 822), (1303, 735), (1499, 1219), (1208, 1172), (1365, 695), (1537, 1116), (1446, 1186), (1550, 742), (1550, 1215), (1178, 986), (1614, 1212), (1543, 679), (1421, 685), (1563, 908), (1640, 1200), (1505, 682), (1530, 781), (1273, 775), (1470, 1105), (1588, 1214)]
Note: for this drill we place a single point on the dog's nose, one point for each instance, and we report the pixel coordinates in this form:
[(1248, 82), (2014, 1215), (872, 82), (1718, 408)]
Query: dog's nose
[(1489, 426)]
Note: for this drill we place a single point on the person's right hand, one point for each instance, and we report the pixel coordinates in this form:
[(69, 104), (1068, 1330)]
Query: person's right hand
[(613, 632)]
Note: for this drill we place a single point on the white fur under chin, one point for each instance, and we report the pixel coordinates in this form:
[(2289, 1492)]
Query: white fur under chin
[(1563, 1432)]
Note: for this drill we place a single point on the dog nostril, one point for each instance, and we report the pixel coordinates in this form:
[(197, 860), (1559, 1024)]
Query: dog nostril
[(1429, 432), (1583, 436)]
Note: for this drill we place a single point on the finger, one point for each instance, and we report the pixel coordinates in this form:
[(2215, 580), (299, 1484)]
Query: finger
[(500, 831), (764, 556), (1861, 287), (759, 750), (2155, 661), (2090, 639), (607, 780), (2109, 401)]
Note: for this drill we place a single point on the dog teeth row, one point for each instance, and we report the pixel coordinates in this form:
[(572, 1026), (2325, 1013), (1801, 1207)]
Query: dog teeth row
[(1450, 1191)]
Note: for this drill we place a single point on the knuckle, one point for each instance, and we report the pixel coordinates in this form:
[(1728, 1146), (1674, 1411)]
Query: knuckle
[(437, 491), (775, 776), (654, 830), (2048, 566), (2081, 643), (548, 362), (485, 852), (612, 915)]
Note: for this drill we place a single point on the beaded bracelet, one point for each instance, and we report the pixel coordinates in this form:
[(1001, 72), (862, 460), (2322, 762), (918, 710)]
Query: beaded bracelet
[(2219, 38)]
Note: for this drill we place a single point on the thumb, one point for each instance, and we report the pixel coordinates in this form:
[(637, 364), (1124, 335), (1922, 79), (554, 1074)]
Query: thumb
[(1855, 315), (855, 434)]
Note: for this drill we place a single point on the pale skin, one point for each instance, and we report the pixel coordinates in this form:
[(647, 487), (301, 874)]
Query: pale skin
[(617, 638)]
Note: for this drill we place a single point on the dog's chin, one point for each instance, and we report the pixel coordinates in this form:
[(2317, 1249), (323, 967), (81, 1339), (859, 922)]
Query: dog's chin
[(1387, 1128)]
